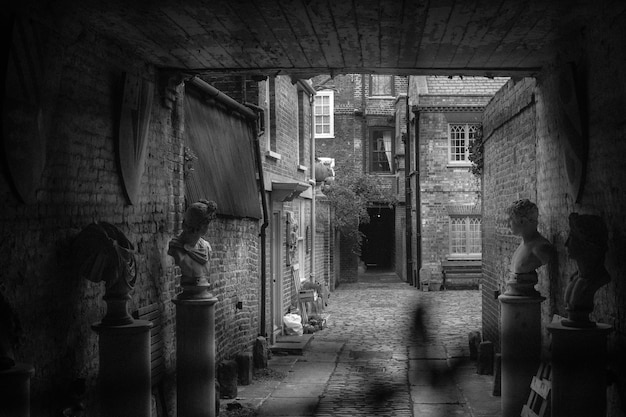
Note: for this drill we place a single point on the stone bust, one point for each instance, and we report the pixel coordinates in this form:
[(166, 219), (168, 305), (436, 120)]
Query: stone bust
[(586, 245), (533, 251), (103, 253), (189, 250)]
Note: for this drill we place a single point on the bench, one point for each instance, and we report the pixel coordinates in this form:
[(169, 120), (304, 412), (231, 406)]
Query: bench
[(152, 313), (461, 274)]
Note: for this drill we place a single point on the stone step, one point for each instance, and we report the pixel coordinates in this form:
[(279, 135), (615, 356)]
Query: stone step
[(291, 345)]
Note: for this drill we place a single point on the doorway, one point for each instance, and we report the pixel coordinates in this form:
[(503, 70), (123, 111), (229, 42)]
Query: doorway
[(377, 244)]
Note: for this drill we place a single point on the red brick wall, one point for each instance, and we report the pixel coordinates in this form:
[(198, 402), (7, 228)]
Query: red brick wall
[(599, 53), (81, 184), (509, 129)]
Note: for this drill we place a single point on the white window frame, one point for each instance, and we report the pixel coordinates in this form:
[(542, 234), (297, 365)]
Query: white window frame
[(468, 132), (329, 110), (467, 222)]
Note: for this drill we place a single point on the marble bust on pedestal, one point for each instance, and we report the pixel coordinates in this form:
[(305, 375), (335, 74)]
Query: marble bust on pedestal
[(533, 251), (190, 251), (587, 245)]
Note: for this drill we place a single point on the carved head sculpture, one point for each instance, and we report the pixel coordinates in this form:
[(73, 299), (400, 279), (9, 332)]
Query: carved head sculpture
[(199, 215), (103, 253), (522, 210), (589, 233), (587, 244)]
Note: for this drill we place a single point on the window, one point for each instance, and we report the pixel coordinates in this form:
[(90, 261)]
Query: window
[(465, 236), (381, 150), (381, 85), (324, 113), (461, 136)]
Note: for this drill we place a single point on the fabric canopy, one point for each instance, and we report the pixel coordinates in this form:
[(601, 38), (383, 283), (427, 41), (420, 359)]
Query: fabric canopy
[(225, 169)]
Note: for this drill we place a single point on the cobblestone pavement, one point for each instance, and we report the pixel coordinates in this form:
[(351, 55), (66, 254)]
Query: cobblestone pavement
[(375, 318), (373, 360)]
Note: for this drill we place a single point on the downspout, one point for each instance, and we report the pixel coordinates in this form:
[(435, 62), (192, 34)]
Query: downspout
[(311, 92), (262, 234), (407, 196), (312, 182), (418, 203)]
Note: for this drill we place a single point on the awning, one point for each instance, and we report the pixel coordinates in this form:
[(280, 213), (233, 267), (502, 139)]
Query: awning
[(287, 191)]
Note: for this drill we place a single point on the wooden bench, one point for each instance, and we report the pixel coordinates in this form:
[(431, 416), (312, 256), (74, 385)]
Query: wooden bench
[(461, 274), (152, 313)]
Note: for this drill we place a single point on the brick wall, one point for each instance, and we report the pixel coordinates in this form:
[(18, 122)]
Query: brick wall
[(598, 53), (509, 174), (442, 185), (81, 184)]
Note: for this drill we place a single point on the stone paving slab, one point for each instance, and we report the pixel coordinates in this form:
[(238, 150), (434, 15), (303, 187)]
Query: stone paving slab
[(440, 394), (288, 407), (288, 390), (440, 410)]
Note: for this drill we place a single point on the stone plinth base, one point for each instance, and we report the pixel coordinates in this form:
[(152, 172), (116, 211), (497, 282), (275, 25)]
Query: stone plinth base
[(124, 386), (195, 356), (578, 370), (15, 390), (520, 338)]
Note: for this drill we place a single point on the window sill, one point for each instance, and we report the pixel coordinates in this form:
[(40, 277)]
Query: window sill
[(273, 155), (302, 168), (324, 136), (464, 258), (463, 165)]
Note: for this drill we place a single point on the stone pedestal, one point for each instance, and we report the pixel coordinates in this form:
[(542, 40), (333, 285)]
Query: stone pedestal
[(578, 370), (124, 385), (195, 354), (15, 390), (520, 338)]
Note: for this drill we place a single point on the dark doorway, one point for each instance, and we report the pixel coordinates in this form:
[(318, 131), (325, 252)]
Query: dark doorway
[(378, 241)]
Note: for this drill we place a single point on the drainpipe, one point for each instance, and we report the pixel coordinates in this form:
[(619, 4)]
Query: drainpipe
[(407, 196), (418, 203), (257, 153), (312, 182)]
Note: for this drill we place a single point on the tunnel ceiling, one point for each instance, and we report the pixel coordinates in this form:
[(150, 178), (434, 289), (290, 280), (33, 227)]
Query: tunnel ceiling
[(309, 37)]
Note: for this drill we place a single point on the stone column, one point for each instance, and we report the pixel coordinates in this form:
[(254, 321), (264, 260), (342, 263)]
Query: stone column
[(15, 390), (124, 384), (578, 370), (520, 339), (195, 352)]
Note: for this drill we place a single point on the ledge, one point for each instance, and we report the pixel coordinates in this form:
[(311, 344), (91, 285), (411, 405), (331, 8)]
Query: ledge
[(273, 155)]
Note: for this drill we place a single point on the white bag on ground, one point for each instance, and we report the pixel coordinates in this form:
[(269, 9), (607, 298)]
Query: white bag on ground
[(293, 324)]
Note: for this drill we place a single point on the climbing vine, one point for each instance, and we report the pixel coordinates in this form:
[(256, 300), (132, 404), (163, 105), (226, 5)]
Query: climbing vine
[(350, 195), (476, 157)]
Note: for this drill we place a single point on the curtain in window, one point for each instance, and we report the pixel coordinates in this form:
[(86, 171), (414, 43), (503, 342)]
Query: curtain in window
[(387, 144)]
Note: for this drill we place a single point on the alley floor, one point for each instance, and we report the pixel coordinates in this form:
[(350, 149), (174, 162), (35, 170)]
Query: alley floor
[(388, 350)]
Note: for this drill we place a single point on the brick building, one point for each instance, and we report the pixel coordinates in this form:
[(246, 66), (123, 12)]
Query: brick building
[(76, 180), (446, 116), (363, 134), (69, 109)]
